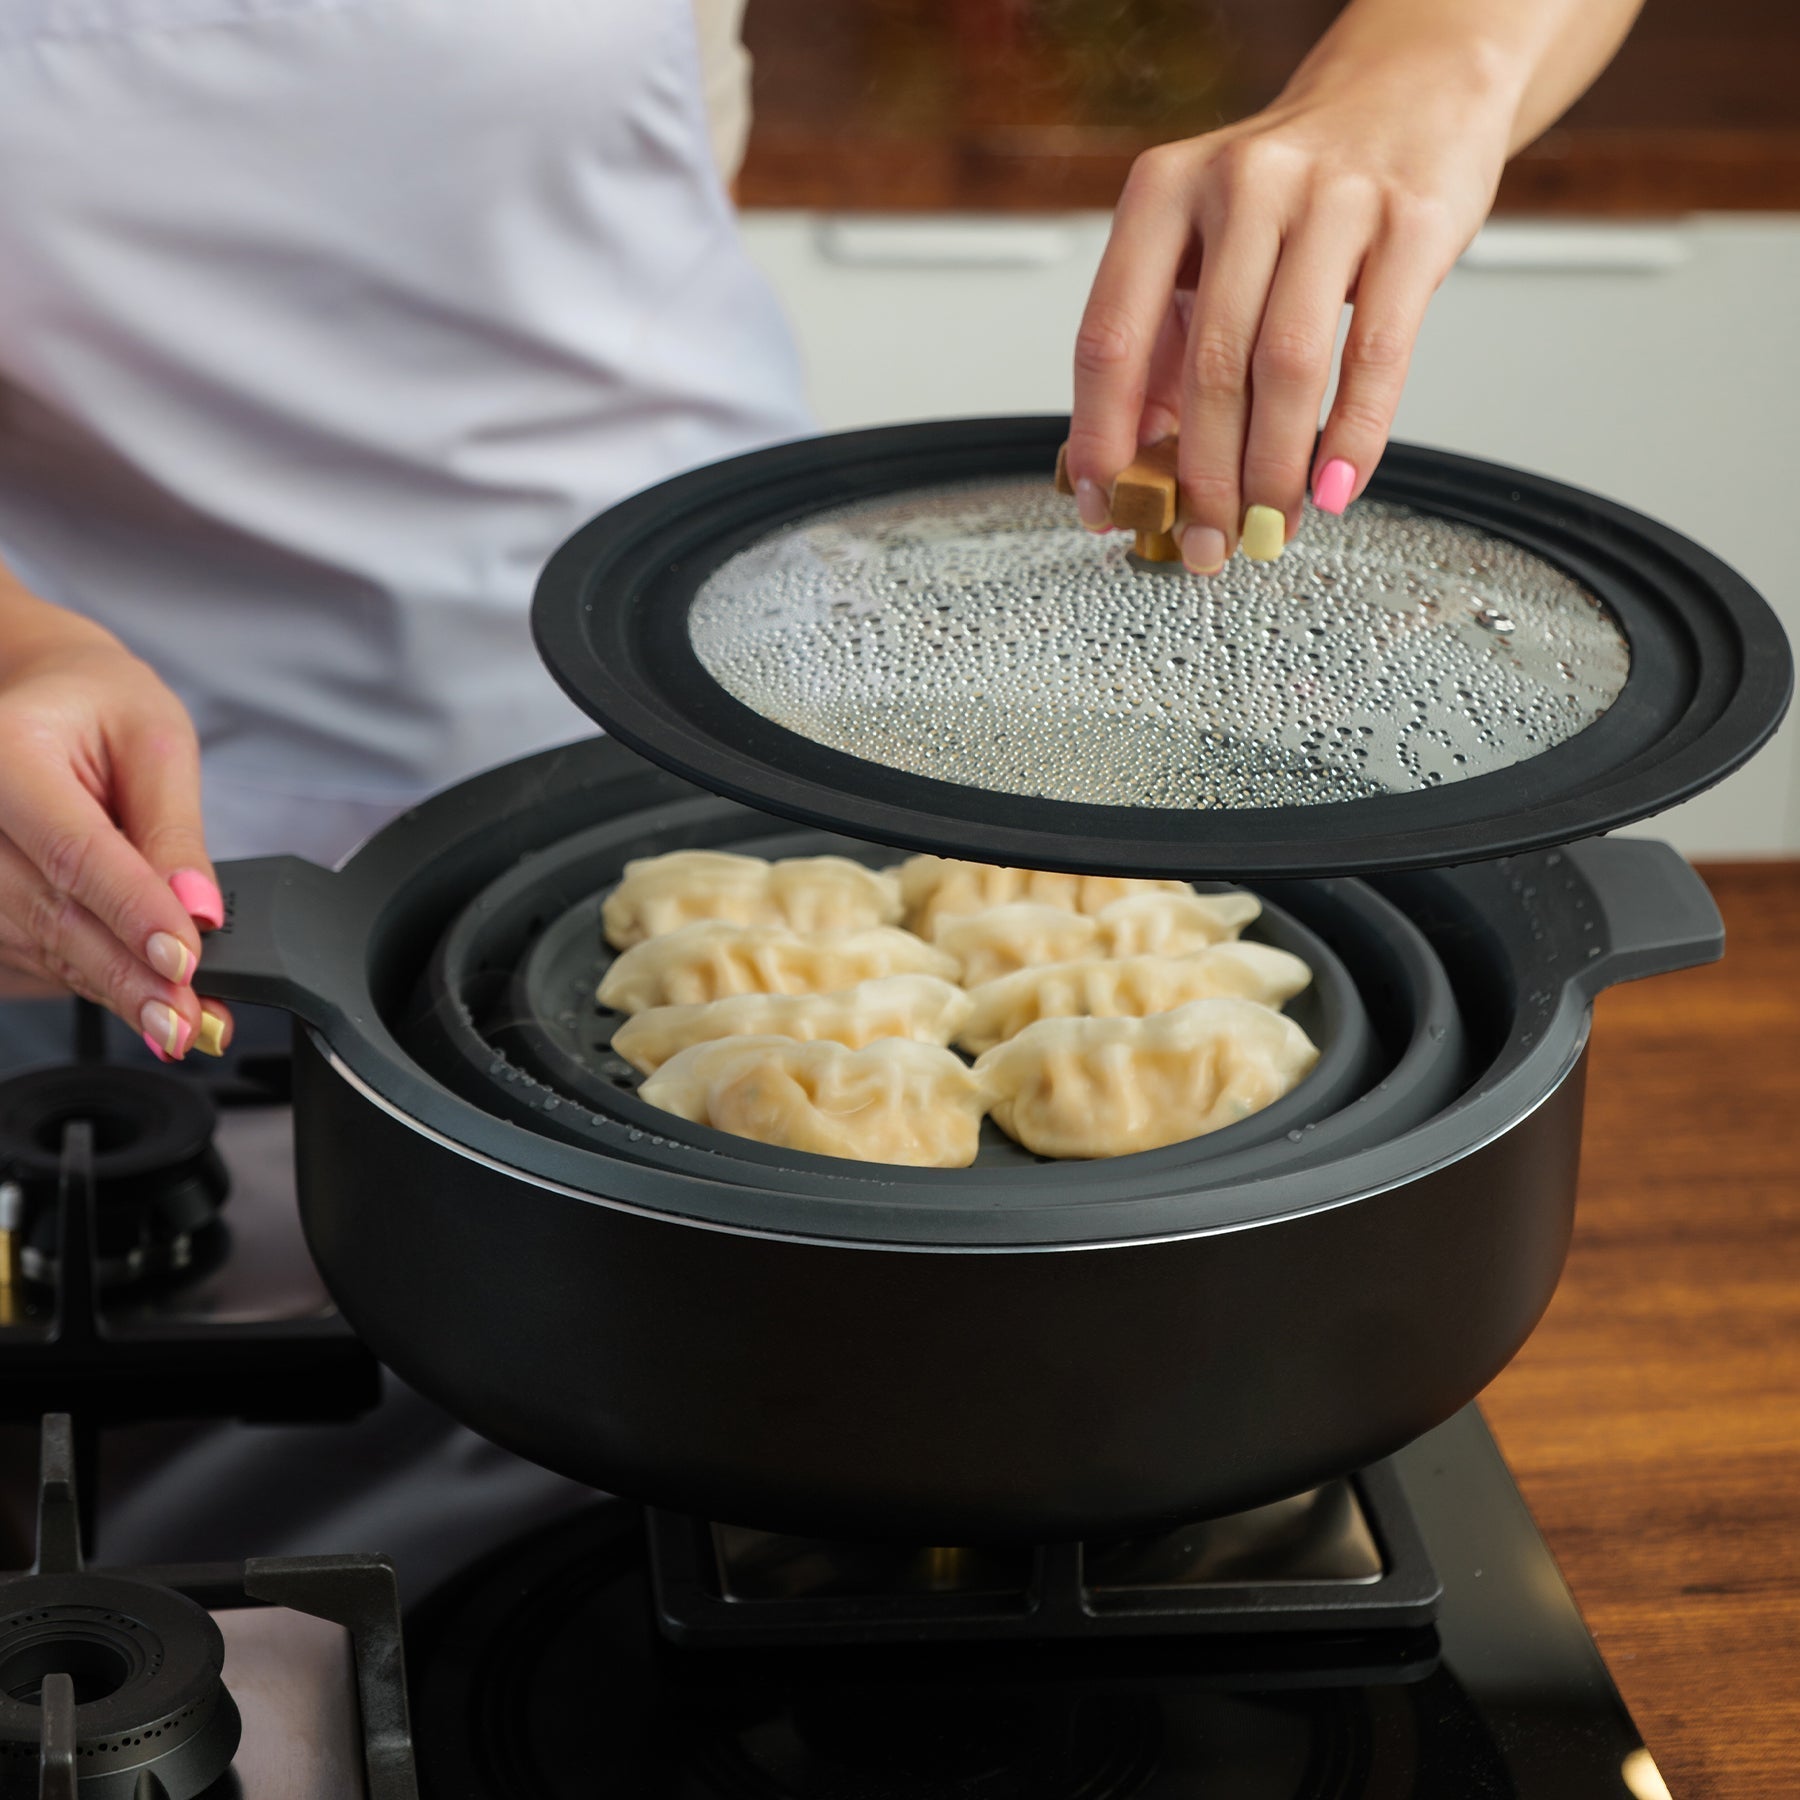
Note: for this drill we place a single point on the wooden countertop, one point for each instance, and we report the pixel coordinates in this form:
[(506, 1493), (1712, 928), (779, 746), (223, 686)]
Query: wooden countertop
[(1653, 1420), (1019, 105)]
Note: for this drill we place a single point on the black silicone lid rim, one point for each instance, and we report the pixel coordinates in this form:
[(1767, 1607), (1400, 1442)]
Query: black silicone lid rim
[(1710, 679)]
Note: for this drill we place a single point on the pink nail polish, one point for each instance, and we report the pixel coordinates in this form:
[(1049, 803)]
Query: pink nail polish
[(155, 1049), (204, 903), (1334, 485)]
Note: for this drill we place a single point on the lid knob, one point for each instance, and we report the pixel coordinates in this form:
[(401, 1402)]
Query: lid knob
[(1142, 498)]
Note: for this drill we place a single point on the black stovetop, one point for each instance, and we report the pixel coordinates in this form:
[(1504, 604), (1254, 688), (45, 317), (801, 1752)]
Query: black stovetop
[(540, 1673)]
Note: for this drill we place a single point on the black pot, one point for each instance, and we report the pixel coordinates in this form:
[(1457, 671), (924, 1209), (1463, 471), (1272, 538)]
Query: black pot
[(1046, 1353)]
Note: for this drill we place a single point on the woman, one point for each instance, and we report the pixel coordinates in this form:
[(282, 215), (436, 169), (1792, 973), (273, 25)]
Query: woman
[(322, 321)]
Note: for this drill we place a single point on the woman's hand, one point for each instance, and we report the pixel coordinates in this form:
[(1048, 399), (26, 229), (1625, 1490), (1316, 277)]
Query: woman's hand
[(1216, 307), (99, 813)]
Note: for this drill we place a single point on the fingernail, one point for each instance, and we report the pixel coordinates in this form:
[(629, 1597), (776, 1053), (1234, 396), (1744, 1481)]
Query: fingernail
[(205, 904), (165, 1029), (1091, 504), (1203, 549), (1333, 486), (1265, 533), (155, 1048), (169, 957), (210, 1039)]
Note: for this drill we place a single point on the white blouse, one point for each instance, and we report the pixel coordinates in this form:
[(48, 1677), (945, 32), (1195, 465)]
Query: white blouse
[(322, 322)]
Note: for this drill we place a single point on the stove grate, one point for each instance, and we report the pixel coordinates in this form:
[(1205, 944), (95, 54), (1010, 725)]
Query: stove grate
[(1344, 1557), (111, 1680)]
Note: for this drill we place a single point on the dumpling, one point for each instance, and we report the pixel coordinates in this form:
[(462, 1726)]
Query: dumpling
[(1108, 1087), (1020, 935), (1097, 892), (920, 1007), (939, 887), (711, 959), (894, 1102), (1174, 924), (1131, 987), (660, 894)]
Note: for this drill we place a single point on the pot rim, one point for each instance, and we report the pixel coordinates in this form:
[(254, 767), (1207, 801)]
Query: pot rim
[(1314, 1189)]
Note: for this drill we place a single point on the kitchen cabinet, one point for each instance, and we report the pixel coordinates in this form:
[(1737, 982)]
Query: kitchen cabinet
[(1655, 362)]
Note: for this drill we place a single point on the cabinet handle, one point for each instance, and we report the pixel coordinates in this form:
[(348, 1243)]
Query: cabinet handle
[(1578, 249), (944, 243)]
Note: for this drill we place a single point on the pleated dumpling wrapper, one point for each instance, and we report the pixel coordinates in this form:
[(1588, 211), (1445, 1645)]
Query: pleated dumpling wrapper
[(1025, 934), (894, 1102), (660, 894), (1019, 935), (919, 1007), (711, 959), (1109, 1087), (940, 887), (1131, 987), (1174, 924)]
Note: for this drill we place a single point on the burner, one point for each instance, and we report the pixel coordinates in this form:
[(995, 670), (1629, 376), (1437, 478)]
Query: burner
[(111, 1679), (111, 1171), (109, 1686), (539, 1675), (143, 1665), (158, 1180)]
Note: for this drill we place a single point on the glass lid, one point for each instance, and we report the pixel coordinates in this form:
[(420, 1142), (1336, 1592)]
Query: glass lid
[(907, 635), (976, 633)]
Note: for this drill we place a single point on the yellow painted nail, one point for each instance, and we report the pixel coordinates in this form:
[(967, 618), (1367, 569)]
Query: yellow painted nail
[(1264, 534), (210, 1038)]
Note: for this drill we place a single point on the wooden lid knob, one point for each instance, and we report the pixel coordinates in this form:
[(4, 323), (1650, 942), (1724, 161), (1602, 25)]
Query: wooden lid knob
[(1142, 500)]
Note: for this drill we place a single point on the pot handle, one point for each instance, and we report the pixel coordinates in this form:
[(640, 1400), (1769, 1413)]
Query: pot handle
[(1656, 914), (285, 942)]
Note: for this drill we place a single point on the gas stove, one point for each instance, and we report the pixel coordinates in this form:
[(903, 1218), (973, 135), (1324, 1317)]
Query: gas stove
[(1402, 1634), (113, 1681)]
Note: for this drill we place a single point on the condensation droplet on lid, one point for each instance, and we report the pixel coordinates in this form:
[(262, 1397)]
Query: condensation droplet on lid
[(1065, 672)]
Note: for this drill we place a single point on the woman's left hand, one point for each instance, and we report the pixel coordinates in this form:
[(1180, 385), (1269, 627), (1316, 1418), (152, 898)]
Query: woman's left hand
[(1216, 307)]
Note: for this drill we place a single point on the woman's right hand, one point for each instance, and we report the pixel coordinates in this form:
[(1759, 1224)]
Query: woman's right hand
[(99, 812)]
